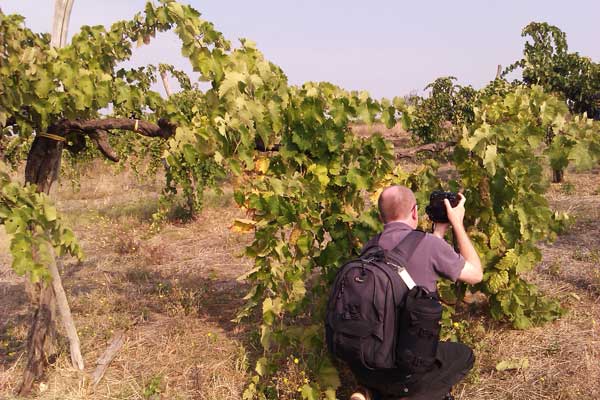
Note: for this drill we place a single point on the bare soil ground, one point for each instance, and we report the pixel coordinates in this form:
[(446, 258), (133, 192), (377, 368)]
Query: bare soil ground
[(175, 292)]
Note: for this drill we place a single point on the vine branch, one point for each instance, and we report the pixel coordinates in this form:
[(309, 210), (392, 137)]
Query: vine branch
[(431, 147), (98, 131), (163, 129)]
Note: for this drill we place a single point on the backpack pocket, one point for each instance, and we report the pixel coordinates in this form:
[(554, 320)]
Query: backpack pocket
[(419, 331), (354, 342), (361, 316)]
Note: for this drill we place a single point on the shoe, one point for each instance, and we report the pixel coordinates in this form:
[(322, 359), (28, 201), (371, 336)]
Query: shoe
[(361, 393)]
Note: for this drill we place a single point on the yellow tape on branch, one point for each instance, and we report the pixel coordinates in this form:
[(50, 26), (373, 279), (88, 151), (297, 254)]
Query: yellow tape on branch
[(137, 125), (53, 137)]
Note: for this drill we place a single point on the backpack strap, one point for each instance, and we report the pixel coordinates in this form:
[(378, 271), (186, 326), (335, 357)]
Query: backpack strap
[(372, 244), (402, 253), (399, 256), (407, 246)]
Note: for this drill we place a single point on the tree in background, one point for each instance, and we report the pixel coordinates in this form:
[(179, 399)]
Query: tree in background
[(448, 106), (576, 79), (547, 62)]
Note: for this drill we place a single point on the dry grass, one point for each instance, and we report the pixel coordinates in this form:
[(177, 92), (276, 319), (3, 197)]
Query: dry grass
[(174, 294), (398, 136)]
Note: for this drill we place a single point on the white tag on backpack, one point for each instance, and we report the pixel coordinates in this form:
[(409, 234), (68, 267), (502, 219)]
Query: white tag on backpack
[(406, 278)]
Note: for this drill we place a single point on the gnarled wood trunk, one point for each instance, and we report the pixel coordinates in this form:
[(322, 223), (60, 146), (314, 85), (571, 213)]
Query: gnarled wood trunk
[(557, 175), (41, 341), (43, 163)]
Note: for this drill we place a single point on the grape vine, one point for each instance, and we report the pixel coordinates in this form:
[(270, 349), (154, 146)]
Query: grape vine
[(307, 183), (33, 224)]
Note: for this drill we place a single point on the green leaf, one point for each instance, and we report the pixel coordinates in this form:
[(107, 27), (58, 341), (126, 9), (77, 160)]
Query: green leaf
[(241, 225), (581, 156), (235, 166), (304, 243), (298, 290), (481, 133), (328, 375), (49, 212), (509, 261), (357, 178), (261, 366), (13, 225), (489, 160), (265, 336), (330, 394), (176, 9), (515, 363), (522, 322), (189, 154), (498, 281), (309, 392), (320, 171), (232, 78), (43, 85)]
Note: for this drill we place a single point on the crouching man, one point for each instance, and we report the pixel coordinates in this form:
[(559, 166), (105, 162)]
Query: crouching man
[(431, 258)]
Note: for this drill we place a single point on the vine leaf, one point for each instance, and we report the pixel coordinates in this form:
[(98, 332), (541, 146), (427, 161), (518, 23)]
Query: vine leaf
[(515, 363)]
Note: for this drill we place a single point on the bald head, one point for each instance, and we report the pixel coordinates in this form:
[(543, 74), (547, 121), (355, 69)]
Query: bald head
[(396, 203)]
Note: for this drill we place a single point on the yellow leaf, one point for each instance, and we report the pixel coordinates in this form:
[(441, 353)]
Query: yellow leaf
[(262, 165), (349, 210), (242, 225), (294, 236), (375, 196)]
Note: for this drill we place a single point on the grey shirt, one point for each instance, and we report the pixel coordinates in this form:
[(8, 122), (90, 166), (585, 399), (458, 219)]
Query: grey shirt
[(432, 258)]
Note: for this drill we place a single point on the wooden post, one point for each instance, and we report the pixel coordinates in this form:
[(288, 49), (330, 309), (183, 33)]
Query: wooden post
[(499, 71), (65, 312), (111, 351), (165, 81), (60, 25), (60, 22)]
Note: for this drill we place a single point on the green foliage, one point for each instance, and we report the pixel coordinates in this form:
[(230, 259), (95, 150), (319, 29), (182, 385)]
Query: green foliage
[(501, 160), (33, 224), (547, 62), (153, 387), (307, 203), (440, 116), (83, 80)]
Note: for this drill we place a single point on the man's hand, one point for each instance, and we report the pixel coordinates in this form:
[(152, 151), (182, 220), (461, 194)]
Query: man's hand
[(440, 228), (472, 272), (456, 214)]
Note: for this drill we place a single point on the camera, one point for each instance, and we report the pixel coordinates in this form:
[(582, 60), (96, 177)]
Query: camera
[(436, 210)]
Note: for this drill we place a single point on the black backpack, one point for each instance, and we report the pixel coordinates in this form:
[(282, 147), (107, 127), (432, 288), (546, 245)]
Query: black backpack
[(377, 318)]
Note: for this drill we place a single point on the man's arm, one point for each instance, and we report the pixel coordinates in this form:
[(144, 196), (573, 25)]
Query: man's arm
[(472, 272)]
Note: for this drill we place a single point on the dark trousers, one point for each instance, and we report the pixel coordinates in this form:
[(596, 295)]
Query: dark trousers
[(454, 361)]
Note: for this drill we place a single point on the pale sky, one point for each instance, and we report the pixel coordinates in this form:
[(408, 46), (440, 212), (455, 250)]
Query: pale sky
[(389, 48)]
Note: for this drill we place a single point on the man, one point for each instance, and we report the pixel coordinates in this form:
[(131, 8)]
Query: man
[(431, 259)]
